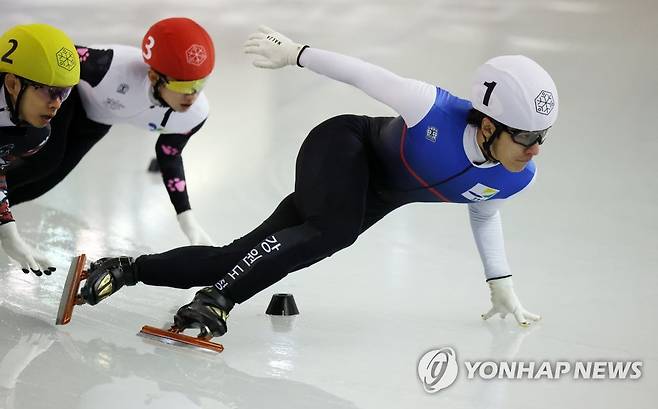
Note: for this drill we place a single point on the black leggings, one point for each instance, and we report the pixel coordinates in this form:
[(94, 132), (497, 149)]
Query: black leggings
[(331, 206), (72, 136)]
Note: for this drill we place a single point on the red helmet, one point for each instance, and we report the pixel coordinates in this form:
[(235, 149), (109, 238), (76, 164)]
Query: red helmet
[(179, 48)]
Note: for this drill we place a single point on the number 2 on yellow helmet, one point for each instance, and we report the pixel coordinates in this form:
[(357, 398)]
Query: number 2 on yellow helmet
[(41, 53)]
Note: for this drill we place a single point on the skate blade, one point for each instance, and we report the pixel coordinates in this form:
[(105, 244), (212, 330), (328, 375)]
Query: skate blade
[(172, 337), (70, 292)]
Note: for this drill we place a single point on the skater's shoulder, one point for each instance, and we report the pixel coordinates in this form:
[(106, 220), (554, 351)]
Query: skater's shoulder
[(125, 58), (448, 110), (447, 101), (120, 50)]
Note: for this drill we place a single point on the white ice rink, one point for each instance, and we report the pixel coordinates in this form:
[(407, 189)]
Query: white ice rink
[(582, 242)]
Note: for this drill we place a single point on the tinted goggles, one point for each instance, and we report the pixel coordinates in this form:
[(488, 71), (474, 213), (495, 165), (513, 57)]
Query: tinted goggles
[(48, 92), (527, 138), (184, 87)]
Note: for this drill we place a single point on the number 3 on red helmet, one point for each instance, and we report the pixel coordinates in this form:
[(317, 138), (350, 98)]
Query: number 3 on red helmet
[(181, 50)]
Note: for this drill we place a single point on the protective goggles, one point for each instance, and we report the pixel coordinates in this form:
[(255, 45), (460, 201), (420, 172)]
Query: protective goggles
[(184, 87), (527, 138), (48, 92)]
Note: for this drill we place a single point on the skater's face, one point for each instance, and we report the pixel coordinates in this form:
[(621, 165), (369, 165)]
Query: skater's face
[(179, 95), (512, 155), (39, 103)]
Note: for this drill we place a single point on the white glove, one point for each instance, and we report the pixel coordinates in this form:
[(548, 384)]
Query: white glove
[(277, 49), (505, 302), (193, 230), (22, 253)]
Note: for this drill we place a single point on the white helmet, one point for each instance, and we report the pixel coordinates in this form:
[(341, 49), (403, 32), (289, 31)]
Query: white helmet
[(517, 92)]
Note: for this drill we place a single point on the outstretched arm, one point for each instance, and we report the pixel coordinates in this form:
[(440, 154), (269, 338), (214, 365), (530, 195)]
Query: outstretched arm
[(487, 230), (13, 244), (412, 99), (169, 149), (488, 233)]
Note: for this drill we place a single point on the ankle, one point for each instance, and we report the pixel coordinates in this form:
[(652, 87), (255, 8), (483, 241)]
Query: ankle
[(130, 270), (217, 298)]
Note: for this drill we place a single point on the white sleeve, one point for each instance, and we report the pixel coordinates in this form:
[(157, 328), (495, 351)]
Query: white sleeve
[(410, 98), (488, 234)]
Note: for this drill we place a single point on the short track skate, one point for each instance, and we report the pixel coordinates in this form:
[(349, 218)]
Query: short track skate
[(70, 296), (175, 336)]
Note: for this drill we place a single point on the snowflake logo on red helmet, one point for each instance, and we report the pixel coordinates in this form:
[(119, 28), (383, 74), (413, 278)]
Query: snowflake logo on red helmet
[(196, 54), (544, 102)]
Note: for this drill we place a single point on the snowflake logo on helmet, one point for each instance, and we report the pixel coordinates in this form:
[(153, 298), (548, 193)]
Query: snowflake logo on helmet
[(544, 102), (196, 54), (65, 58)]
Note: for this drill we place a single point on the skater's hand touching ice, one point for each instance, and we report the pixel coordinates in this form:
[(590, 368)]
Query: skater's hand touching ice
[(193, 230), (276, 49), (22, 253), (505, 302)]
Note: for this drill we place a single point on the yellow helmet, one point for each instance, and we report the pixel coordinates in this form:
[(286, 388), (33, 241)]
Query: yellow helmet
[(40, 53)]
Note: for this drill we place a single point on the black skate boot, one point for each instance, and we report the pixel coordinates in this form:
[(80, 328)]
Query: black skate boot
[(208, 311), (106, 276)]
